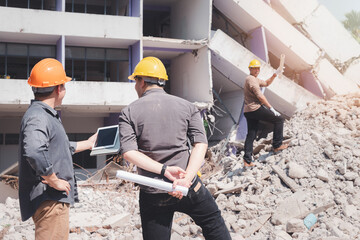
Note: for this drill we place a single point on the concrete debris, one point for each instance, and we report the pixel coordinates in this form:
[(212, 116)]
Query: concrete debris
[(321, 165)]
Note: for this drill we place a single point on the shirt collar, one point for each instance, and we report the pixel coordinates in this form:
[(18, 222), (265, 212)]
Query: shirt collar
[(46, 107), (153, 90)]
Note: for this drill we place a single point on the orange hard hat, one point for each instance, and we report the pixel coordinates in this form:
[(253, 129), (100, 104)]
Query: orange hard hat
[(48, 72)]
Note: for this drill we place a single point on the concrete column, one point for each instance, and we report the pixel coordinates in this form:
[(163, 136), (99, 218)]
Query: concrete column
[(242, 126), (135, 8), (60, 50), (258, 44), (310, 83), (135, 55), (60, 5)]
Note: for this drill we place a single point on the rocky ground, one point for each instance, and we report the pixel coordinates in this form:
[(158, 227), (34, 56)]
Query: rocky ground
[(318, 173)]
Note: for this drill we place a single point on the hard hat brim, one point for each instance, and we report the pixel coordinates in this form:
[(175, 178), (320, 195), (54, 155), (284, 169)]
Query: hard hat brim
[(131, 77)]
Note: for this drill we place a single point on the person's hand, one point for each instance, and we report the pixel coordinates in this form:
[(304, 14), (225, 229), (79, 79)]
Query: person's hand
[(276, 113), (180, 182), (173, 172), (58, 184), (91, 140), (279, 71)]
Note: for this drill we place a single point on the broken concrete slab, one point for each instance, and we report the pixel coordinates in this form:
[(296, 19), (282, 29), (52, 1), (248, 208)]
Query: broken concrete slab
[(232, 60), (118, 220), (321, 27), (260, 221), (85, 219), (283, 38), (288, 181), (295, 225), (7, 191), (291, 207)]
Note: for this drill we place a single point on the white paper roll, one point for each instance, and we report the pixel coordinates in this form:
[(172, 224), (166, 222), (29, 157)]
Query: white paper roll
[(150, 182)]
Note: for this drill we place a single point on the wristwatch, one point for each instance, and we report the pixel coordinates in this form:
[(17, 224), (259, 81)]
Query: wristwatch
[(163, 169)]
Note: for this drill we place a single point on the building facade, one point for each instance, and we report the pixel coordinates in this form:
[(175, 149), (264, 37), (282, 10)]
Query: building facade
[(99, 43)]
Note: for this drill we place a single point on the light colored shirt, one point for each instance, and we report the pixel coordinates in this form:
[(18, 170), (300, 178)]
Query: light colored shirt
[(252, 92)]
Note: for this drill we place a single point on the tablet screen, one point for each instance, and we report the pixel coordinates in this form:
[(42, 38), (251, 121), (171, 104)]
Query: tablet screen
[(106, 137)]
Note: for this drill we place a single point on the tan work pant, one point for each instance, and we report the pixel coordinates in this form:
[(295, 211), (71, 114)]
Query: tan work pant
[(52, 221)]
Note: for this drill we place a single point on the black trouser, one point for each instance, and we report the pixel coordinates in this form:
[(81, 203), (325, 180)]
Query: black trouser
[(157, 211), (252, 119)]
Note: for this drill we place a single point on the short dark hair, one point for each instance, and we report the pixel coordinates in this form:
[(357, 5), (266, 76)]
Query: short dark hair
[(45, 94)]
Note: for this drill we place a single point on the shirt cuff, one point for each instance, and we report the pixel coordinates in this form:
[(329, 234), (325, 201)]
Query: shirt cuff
[(73, 146)]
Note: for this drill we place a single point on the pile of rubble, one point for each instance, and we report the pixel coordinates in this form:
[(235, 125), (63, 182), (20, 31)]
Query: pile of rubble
[(318, 176)]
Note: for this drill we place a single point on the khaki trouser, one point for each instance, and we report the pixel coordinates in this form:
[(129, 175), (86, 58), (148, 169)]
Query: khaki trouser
[(52, 221)]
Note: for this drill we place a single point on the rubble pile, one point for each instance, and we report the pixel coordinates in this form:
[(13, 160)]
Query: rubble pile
[(316, 179), (318, 173)]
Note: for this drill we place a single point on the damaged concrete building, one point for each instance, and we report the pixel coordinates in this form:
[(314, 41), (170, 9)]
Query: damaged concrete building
[(206, 46)]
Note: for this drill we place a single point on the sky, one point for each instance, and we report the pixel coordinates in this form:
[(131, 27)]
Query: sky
[(340, 7)]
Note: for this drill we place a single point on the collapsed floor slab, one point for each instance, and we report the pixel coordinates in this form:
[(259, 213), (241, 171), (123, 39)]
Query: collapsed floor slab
[(301, 53), (232, 60)]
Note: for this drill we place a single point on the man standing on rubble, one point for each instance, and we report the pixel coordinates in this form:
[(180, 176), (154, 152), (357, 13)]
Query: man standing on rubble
[(46, 174), (153, 135), (257, 108)]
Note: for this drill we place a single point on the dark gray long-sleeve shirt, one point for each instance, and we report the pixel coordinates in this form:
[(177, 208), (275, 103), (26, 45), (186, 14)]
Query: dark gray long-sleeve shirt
[(44, 149), (159, 125)]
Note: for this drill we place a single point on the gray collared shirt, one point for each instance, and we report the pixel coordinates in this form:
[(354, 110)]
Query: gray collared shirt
[(44, 149), (159, 125)]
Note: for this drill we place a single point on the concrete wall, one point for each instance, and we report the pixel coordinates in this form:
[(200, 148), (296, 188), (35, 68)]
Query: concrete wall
[(77, 27), (191, 19), (99, 96), (190, 76)]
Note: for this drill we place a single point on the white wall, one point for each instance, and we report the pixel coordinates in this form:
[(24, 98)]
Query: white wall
[(84, 96), (190, 76), (73, 25), (191, 19)]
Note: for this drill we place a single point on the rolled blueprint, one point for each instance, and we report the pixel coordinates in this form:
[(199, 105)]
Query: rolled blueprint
[(150, 182)]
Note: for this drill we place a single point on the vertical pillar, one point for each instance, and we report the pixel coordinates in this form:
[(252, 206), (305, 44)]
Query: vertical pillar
[(135, 8), (258, 44), (60, 50), (310, 83), (135, 55), (60, 5)]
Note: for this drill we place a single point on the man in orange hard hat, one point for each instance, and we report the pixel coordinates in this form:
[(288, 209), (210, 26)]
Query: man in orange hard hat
[(153, 135), (46, 175), (257, 108)]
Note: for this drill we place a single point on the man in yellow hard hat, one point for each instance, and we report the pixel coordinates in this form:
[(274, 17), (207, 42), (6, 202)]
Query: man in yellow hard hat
[(46, 175), (153, 135), (257, 108)]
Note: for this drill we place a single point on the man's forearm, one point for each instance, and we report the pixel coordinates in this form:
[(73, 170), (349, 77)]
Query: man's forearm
[(264, 101), (196, 160), (83, 145)]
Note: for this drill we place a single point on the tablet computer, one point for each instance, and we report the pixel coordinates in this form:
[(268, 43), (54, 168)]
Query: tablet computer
[(107, 141)]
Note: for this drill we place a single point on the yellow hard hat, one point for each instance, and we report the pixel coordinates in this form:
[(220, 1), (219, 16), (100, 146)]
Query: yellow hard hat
[(150, 67), (254, 64)]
